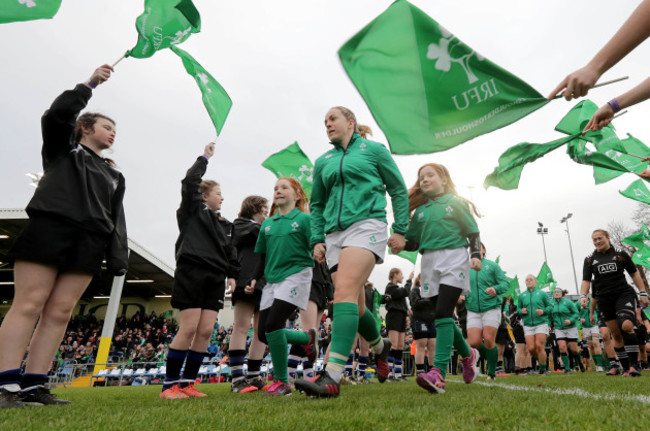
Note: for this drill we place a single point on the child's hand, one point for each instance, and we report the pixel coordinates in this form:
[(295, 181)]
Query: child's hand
[(209, 149)]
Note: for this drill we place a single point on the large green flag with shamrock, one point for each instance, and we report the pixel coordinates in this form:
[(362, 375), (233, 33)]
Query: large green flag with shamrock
[(292, 162), (215, 99), (28, 10), (164, 23), (427, 90), (637, 191), (545, 277)]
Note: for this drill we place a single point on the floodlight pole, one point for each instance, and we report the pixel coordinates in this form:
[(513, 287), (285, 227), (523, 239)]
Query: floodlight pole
[(565, 220)]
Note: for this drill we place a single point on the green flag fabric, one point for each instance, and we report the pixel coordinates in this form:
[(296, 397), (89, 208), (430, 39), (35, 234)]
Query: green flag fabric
[(215, 99), (28, 10), (637, 191), (164, 23), (631, 158), (411, 256), (376, 303), (545, 277), (426, 89), (601, 149), (506, 176), (513, 290), (292, 162), (638, 239)]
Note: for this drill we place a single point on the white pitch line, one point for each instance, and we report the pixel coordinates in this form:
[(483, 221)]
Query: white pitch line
[(575, 392)]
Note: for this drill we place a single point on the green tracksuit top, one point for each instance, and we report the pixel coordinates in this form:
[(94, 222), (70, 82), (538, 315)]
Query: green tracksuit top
[(562, 310), (442, 224), (584, 314), (284, 239), (491, 275), (535, 300), (350, 185)]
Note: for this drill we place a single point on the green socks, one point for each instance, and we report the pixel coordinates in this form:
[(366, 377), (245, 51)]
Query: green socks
[(492, 356), (444, 342), (598, 359), (460, 344), (277, 342), (369, 331), (296, 337), (565, 361), (344, 331)]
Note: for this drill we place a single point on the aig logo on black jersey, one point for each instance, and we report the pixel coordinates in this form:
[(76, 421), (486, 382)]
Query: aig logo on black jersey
[(606, 268)]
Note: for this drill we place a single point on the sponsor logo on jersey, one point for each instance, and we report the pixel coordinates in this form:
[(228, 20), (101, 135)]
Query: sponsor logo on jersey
[(449, 210), (606, 268), (363, 146), (294, 226)]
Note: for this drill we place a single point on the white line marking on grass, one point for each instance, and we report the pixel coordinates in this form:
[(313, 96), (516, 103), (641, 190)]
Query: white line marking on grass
[(575, 392)]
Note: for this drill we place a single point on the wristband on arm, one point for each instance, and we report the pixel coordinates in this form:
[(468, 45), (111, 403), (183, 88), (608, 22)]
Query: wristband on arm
[(614, 105)]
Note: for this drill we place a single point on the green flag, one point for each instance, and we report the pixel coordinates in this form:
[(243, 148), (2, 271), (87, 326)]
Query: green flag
[(506, 176), (216, 100), (638, 239), (376, 303), (164, 23), (631, 158), (411, 256), (513, 290), (426, 89), (637, 191), (28, 10), (642, 256), (545, 277), (292, 162)]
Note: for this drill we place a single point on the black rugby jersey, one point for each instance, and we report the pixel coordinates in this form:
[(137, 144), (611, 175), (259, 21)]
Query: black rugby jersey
[(608, 271)]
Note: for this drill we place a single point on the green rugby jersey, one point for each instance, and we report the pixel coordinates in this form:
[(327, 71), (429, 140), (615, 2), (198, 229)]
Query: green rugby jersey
[(442, 223), (285, 242)]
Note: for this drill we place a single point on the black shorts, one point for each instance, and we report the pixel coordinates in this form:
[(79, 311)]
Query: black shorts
[(197, 287), (396, 321), (240, 295), (53, 241), (641, 334), (502, 336), (319, 295), (518, 332), (423, 329), (609, 305)]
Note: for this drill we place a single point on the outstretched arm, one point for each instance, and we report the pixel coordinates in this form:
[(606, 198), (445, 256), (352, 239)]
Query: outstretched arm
[(634, 31)]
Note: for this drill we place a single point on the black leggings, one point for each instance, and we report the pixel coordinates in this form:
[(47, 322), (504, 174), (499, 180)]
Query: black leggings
[(446, 301), (274, 318)]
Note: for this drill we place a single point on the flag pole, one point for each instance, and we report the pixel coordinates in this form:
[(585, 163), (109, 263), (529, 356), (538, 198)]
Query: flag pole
[(602, 84), (120, 59)]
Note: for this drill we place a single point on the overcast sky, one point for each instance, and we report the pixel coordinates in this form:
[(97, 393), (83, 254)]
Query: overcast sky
[(278, 61)]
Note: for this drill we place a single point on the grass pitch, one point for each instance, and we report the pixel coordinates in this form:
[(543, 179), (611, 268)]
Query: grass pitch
[(556, 402)]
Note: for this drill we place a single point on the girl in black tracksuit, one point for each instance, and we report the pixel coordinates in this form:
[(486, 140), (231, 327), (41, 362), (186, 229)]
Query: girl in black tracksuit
[(397, 310), (76, 220), (246, 228), (205, 257)]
